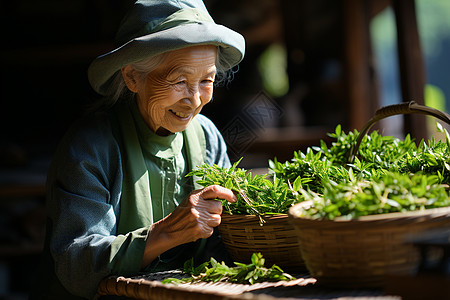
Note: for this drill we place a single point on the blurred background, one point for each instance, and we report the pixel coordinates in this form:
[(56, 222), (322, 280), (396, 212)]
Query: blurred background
[(310, 65)]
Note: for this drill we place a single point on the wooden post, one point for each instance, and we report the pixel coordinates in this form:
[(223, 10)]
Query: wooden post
[(411, 65), (360, 78)]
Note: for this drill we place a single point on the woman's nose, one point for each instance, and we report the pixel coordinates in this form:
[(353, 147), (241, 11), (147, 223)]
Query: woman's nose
[(194, 96)]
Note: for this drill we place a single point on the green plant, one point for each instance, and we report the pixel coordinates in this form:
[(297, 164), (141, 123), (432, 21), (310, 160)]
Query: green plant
[(257, 194), (214, 271), (376, 152), (385, 192), (387, 175), (381, 163)]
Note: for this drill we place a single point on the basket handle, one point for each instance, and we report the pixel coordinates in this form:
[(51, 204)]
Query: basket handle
[(397, 109)]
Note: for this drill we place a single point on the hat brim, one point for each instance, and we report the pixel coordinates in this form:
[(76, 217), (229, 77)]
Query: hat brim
[(232, 49)]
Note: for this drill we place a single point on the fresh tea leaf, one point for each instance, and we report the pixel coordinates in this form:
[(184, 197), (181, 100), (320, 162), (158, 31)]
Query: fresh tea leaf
[(252, 273)]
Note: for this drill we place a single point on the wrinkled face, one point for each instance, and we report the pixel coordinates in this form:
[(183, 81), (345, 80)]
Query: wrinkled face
[(178, 89)]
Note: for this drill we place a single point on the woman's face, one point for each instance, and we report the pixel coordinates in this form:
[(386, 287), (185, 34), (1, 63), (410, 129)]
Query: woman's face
[(177, 90)]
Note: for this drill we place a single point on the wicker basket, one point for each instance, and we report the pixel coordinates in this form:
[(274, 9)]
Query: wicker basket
[(361, 252), (276, 240)]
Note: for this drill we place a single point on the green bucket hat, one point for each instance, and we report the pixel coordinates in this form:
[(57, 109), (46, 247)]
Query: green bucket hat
[(153, 27)]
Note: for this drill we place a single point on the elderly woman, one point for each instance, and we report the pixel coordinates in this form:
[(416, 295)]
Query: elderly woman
[(118, 198)]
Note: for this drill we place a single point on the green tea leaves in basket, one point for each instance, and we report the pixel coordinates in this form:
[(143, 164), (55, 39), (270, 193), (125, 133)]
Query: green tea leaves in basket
[(214, 271), (387, 175), (385, 193), (375, 154), (257, 195)]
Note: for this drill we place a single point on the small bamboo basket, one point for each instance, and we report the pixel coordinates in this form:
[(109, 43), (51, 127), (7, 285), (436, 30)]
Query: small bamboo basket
[(276, 240), (361, 252)]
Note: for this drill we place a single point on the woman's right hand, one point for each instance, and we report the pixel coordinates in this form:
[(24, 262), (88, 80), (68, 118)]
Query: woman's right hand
[(193, 219)]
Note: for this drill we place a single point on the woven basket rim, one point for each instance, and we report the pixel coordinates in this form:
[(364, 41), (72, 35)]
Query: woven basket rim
[(431, 212), (252, 221), (273, 216)]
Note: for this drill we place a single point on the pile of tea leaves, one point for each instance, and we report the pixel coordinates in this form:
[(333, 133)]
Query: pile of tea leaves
[(376, 154), (385, 193), (214, 271)]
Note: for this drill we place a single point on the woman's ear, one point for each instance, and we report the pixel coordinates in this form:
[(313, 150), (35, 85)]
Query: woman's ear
[(130, 77)]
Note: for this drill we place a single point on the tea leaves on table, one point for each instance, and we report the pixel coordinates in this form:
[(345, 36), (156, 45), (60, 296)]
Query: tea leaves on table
[(214, 271)]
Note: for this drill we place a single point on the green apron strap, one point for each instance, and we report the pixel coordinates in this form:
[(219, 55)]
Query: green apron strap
[(194, 137), (136, 198)]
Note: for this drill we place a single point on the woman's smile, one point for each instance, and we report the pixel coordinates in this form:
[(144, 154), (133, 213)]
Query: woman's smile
[(181, 115)]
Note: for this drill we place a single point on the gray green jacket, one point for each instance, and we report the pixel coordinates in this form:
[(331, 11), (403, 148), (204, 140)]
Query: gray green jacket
[(89, 234)]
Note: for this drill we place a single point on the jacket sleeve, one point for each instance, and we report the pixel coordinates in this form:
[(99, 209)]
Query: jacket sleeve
[(216, 148), (83, 192)]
